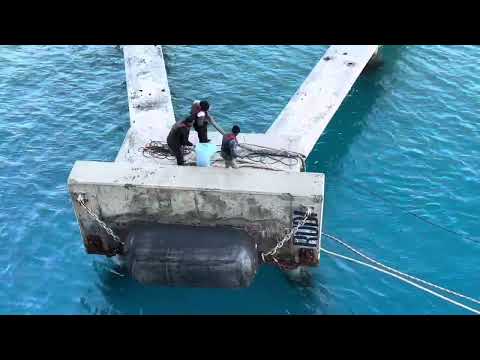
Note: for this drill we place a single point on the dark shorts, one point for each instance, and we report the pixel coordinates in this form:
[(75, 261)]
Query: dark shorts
[(202, 133), (177, 151)]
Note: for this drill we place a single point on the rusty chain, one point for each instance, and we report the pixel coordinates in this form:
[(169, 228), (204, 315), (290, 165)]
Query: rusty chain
[(287, 237), (109, 231)]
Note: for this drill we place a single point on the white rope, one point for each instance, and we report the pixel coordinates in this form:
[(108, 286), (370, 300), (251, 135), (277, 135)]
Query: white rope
[(402, 279), (399, 272), (114, 272)]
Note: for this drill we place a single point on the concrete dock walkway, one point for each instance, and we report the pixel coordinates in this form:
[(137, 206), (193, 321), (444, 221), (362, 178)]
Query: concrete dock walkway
[(149, 100), (263, 202), (303, 120), (297, 128)]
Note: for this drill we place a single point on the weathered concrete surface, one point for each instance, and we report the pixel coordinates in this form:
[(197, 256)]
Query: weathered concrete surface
[(312, 107), (259, 201), (149, 99)]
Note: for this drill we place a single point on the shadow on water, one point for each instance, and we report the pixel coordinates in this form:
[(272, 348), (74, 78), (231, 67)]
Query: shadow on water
[(352, 116)]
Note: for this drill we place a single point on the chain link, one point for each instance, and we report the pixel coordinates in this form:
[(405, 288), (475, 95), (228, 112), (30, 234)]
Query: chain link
[(109, 231), (287, 237)]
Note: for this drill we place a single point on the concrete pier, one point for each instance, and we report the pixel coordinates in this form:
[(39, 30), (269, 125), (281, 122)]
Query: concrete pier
[(263, 203), (149, 100), (303, 120)]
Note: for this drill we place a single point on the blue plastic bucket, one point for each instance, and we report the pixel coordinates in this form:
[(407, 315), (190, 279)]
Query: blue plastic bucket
[(205, 153)]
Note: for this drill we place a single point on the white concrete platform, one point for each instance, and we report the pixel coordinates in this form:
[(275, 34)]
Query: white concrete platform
[(149, 98), (263, 202), (312, 107)]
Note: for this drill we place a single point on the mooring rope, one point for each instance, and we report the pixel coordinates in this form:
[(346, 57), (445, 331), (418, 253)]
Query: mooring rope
[(400, 275), (343, 243), (402, 279), (410, 212)]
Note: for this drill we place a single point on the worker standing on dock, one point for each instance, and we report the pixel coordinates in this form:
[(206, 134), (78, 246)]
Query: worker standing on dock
[(201, 122), (178, 138), (229, 146), (200, 125)]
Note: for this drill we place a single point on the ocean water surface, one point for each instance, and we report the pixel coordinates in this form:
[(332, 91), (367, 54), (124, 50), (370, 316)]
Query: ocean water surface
[(405, 141)]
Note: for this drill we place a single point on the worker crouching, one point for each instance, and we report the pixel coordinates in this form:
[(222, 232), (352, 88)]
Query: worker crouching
[(178, 138), (229, 148)]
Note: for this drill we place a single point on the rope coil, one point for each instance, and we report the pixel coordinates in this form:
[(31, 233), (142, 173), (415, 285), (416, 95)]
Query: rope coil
[(161, 150), (255, 156), (271, 156)]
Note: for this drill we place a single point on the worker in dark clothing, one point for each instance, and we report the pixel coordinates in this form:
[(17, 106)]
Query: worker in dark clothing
[(202, 119), (178, 138), (200, 125), (229, 147)]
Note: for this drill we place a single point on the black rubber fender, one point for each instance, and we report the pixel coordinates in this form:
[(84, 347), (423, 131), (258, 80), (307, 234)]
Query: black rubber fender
[(191, 256)]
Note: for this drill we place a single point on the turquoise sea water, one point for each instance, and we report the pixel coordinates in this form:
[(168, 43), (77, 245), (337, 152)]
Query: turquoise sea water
[(409, 131)]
